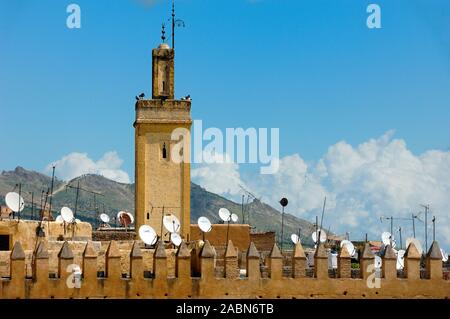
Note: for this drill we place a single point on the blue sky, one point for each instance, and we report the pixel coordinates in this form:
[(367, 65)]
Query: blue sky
[(311, 68)]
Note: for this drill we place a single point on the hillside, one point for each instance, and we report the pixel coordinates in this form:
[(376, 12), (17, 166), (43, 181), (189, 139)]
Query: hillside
[(118, 196)]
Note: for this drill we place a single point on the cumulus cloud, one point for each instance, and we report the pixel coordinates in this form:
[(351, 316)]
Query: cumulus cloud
[(380, 177), (76, 164), (221, 176)]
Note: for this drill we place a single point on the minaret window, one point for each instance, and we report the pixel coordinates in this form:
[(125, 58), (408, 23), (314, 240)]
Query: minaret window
[(164, 151)]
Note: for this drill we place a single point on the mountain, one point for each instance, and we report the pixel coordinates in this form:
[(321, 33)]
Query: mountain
[(118, 196)]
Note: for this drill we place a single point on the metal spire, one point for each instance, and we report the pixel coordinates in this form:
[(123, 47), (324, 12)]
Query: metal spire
[(163, 32), (173, 24)]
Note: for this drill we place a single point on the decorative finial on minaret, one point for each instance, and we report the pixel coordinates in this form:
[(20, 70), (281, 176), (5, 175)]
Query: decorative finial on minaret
[(163, 32)]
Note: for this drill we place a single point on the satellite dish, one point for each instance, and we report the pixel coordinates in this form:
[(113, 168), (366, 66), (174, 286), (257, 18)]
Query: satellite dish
[(416, 243), (175, 239), (67, 214), (444, 255), (148, 235), (224, 214), (347, 244), (204, 224), (104, 218), (171, 223), (386, 238), (77, 221), (131, 218), (295, 239), (400, 259), (323, 236), (378, 262), (234, 218), (125, 218), (59, 219), (14, 202)]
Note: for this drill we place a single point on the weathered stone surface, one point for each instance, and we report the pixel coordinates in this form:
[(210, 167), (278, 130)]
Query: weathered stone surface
[(412, 252), (231, 251), (160, 251), (299, 252), (89, 251), (41, 251), (435, 251), (208, 251), (275, 253), (367, 252), (17, 252), (183, 251), (113, 250), (65, 252), (389, 253), (136, 251), (321, 252), (252, 252)]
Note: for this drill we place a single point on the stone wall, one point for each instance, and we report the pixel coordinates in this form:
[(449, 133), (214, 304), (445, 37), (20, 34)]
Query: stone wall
[(167, 273)]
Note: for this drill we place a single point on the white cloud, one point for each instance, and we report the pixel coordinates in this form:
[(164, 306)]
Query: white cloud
[(76, 164), (220, 177), (378, 177)]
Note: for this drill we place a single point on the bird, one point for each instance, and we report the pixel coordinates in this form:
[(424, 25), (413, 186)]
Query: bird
[(140, 97)]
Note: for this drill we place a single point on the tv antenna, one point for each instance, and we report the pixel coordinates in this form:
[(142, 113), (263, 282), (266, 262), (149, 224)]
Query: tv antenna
[(78, 189), (51, 190), (175, 23), (427, 210), (283, 202)]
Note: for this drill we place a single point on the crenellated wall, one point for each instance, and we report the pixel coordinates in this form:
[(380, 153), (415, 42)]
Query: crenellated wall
[(174, 278)]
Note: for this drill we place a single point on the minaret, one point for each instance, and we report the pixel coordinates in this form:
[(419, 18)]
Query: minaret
[(162, 185)]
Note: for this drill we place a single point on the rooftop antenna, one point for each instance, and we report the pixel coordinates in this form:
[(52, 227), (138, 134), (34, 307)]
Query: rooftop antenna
[(427, 209), (434, 228), (400, 233), (321, 219), (163, 33), (283, 203), (51, 189), (175, 23), (32, 205)]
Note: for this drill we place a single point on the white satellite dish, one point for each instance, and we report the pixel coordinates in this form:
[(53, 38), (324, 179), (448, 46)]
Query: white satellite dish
[(234, 218), (175, 239), (148, 235), (14, 202), (77, 221), (416, 243), (444, 255), (204, 224), (224, 214), (400, 259), (378, 262), (295, 239), (105, 218), (59, 219), (67, 214), (386, 238), (323, 236), (171, 223), (347, 244)]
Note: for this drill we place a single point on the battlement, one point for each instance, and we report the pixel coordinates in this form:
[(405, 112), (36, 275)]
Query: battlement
[(190, 272), (163, 111)]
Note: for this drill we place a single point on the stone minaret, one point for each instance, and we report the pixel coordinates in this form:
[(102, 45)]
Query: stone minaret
[(160, 181)]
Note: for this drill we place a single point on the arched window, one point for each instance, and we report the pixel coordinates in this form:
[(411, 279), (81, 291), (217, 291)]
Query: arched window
[(164, 151)]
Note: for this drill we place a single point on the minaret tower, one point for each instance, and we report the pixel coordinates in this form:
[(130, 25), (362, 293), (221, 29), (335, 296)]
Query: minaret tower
[(162, 185)]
